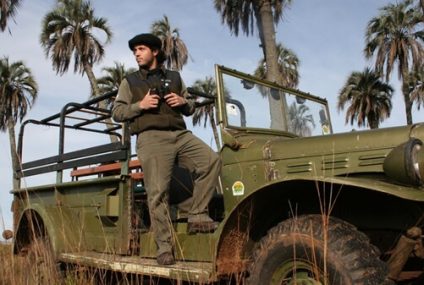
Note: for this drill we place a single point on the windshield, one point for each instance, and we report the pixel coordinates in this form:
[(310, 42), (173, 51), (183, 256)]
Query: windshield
[(251, 103)]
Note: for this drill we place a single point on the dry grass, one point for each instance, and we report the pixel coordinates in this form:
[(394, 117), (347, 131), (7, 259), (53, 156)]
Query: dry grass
[(9, 271), (34, 268), (37, 267)]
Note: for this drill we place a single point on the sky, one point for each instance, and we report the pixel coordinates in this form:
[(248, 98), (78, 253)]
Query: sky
[(327, 36)]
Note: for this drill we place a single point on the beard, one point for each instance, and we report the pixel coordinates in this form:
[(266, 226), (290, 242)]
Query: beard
[(148, 64)]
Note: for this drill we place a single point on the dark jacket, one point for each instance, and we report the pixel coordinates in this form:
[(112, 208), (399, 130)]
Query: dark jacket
[(133, 89)]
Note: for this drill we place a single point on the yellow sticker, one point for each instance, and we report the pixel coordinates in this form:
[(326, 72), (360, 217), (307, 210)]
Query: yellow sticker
[(238, 188)]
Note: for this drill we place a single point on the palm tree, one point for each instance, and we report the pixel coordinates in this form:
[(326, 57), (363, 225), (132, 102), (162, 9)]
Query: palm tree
[(175, 50), (8, 10), (369, 99), (68, 31), (18, 91), (300, 120), (393, 37), (266, 14), (288, 64), (415, 87), (113, 78), (207, 112)]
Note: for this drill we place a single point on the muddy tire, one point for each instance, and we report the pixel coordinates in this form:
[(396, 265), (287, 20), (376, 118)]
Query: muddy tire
[(295, 252)]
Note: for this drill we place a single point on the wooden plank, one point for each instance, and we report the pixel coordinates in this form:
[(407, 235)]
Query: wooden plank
[(137, 175), (116, 166)]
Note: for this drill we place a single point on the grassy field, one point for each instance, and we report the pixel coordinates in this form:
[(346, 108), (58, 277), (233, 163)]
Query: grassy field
[(38, 268), (13, 267), (4, 248), (17, 270)]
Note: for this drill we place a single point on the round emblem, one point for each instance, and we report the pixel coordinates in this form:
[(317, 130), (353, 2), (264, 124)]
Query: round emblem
[(238, 188)]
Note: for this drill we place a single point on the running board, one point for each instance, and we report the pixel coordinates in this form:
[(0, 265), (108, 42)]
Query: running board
[(201, 272)]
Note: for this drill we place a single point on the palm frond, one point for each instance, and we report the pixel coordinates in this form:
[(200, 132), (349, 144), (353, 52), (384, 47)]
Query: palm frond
[(18, 91), (368, 99)]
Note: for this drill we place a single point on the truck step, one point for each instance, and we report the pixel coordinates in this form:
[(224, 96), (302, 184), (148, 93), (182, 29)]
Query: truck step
[(201, 272)]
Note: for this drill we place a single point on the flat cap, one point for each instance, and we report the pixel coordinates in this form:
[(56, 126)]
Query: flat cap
[(149, 40)]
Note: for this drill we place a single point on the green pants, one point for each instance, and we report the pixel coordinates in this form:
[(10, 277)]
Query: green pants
[(158, 151)]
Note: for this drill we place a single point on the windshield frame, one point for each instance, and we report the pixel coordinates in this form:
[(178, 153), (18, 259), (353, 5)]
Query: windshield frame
[(220, 71)]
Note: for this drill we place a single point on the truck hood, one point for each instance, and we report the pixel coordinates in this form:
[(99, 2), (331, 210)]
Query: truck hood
[(345, 153), (254, 145)]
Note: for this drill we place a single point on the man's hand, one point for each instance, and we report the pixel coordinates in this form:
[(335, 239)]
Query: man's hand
[(174, 100), (150, 101)]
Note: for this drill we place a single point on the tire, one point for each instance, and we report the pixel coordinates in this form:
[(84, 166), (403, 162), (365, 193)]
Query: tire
[(40, 263), (294, 252)]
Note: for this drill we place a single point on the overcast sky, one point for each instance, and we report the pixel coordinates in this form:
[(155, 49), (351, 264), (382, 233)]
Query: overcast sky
[(326, 35)]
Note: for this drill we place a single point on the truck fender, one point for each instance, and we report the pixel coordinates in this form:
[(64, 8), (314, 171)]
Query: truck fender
[(56, 223)]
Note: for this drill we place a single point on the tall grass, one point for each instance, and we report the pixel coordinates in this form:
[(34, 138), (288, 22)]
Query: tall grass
[(35, 267), (38, 268)]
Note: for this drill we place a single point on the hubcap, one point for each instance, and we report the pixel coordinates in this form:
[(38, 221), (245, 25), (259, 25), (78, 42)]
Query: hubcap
[(297, 272)]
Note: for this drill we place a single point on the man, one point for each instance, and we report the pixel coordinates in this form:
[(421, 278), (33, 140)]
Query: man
[(154, 99)]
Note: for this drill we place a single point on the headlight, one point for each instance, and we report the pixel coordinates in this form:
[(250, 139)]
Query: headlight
[(403, 164)]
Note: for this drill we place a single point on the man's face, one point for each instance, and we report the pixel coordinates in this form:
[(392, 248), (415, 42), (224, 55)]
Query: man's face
[(145, 57)]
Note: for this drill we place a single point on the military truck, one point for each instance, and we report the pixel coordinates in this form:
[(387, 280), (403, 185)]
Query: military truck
[(296, 204)]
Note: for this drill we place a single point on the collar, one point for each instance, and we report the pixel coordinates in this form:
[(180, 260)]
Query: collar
[(145, 72)]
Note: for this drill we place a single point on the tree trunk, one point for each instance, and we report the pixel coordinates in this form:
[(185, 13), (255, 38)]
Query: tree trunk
[(407, 99), (102, 104), (373, 123), (92, 78), (266, 23), (267, 35), (373, 120), (408, 109), (13, 153)]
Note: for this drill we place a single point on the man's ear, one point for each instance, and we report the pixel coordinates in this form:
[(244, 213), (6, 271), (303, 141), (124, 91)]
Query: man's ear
[(155, 52)]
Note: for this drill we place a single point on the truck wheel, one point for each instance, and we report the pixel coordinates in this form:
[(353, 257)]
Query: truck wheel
[(295, 252), (41, 265)]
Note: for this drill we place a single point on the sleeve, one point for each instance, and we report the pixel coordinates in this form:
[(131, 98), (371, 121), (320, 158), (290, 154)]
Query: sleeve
[(123, 109), (189, 108)]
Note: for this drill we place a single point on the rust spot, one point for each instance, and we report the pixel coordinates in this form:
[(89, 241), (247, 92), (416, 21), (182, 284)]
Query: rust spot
[(273, 174), (230, 253), (266, 151), (270, 172)]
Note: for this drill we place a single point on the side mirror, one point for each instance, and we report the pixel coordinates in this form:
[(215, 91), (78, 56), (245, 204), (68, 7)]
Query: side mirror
[(247, 84), (275, 93), (300, 100), (323, 117)]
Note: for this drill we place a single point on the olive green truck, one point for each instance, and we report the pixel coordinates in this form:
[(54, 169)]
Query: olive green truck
[(296, 204)]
